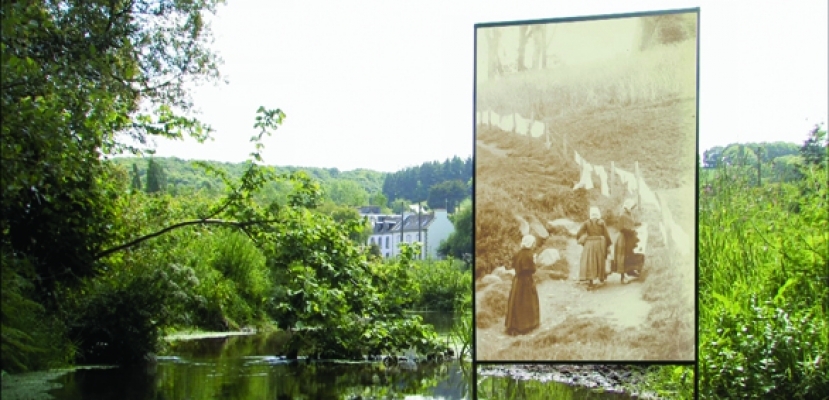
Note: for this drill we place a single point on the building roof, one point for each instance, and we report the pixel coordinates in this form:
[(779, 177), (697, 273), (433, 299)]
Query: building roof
[(385, 224), (366, 210), (410, 223)]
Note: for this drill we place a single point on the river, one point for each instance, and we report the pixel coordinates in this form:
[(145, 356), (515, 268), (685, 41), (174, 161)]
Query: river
[(245, 367)]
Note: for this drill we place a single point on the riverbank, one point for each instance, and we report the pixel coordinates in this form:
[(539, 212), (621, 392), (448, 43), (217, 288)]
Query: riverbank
[(621, 379), (192, 335)]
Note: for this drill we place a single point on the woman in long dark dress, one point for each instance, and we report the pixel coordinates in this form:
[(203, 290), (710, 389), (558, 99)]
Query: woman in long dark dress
[(595, 238), (523, 313), (625, 242)]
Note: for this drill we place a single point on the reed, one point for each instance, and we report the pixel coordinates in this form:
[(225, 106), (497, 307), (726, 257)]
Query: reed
[(764, 287)]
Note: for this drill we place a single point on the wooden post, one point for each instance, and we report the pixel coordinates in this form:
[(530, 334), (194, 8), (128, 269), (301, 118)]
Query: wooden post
[(638, 189), (610, 178), (418, 229)]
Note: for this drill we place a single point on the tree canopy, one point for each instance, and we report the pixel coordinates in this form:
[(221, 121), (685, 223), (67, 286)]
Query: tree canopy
[(415, 183), (81, 80)]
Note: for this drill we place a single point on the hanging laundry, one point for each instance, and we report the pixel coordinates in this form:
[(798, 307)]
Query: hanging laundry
[(628, 179), (537, 129), (647, 195), (602, 180), (494, 119), (522, 125), (507, 123)]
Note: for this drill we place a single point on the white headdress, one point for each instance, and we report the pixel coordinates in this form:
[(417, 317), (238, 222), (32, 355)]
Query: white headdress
[(629, 204), (528, 241), (595, 213)]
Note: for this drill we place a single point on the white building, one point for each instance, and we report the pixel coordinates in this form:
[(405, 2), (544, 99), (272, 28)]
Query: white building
[(381, 235), (428, 228)]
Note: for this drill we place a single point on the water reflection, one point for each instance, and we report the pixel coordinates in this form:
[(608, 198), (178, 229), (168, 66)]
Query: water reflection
[(248, 367), (223, 372), (509, 388)]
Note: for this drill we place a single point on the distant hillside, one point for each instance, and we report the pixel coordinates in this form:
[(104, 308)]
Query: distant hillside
[(183, 174), (427, 181), (747, 153), (439, 183)]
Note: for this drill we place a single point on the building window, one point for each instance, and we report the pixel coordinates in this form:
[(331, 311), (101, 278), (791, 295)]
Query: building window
[(387, 242), (409, 238)]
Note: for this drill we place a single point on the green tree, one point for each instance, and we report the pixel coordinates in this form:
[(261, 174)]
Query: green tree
[(815, 149), (136, 178), (459, 242), (360, 234), (378, 199), (400, 205), (156, 177), (447, 194), (76, 77), (347, 193)]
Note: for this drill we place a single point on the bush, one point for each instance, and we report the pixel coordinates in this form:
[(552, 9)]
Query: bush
[(764, 291), (443, 284), (32, 338), (117, 319), (248, 280)]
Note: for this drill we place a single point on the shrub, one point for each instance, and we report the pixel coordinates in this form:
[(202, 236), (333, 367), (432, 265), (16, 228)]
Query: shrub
[(247, 280), (32, 338), (443, 284), (117, 318), (763, 292)]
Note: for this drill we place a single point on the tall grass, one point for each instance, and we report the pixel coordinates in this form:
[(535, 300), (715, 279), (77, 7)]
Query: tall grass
[(444, 285), (764, 288)]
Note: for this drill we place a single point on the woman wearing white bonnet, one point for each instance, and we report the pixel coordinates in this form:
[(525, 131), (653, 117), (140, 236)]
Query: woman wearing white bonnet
[(523, 313), (595, 239)]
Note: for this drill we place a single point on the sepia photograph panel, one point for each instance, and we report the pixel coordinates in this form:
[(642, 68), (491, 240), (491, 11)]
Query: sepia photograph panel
[(585, 189)]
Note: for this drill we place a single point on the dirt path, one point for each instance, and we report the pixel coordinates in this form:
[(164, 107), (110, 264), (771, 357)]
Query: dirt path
[(618, 304), (492, 148)]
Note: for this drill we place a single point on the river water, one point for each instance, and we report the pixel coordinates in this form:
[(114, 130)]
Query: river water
[(246, 368)]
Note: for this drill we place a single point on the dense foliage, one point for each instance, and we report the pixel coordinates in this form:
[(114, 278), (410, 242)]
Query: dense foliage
[(100, 258), (428, 182), (763, 281), (183, 177), (81, 79), (459, 242)]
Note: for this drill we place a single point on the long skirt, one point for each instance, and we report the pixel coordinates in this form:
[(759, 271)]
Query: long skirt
[(593, 258), (622, 251), (522, 310)]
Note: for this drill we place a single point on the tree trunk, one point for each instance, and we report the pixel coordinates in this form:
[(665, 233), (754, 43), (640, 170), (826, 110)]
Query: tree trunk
[(493, 41), (524, 33), (540, 50)]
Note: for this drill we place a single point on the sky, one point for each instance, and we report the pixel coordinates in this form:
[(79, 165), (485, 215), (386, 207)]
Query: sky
[(385, 85)]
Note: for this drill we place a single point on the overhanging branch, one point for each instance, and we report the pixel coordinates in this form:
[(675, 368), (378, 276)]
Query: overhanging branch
[(204, 221)]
